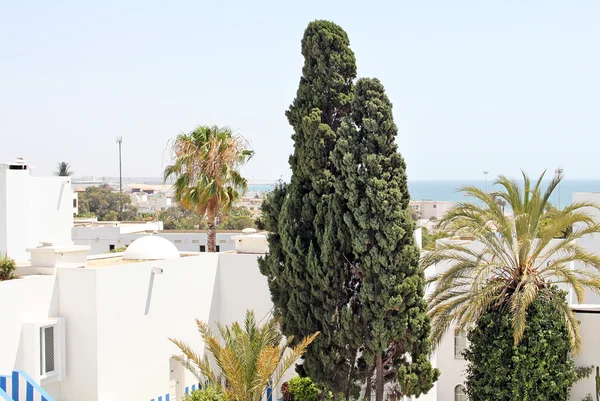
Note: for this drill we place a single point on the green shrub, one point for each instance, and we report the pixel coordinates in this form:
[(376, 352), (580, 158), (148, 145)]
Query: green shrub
[(540, 368), (7, 268), (303, 389), (209, 393)]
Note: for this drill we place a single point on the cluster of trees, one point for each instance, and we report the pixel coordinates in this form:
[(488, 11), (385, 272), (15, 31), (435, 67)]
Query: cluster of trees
[(180, 218), (343, 260), (106, 204)]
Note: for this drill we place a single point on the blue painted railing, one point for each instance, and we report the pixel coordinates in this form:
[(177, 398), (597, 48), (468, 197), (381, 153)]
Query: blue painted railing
[(31, 388)]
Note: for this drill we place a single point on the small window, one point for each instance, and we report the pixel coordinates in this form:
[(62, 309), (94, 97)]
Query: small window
[(435, 206), (178, 241), (460, 393), (202, 248), (47, 350), (195, 241), (222, 241), (218, 248), (74, 203), (460, 344), (111, 247)]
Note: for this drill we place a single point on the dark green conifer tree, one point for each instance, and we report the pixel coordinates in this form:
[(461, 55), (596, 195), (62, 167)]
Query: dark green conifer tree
[(373, 187), (306, 267)]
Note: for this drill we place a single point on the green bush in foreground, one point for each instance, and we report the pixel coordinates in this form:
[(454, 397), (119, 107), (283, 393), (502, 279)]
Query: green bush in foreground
[(540, 368), (209, 393), (303, 389), (7, 268)]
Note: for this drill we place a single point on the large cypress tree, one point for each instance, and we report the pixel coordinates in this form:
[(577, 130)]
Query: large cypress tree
[(306, 268), (373, 187)]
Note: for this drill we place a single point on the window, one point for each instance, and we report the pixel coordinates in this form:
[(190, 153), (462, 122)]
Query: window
[(74, 203), (218, 248), (47, 350), (202, 248), (435, 206), (222, 241), (459, 393), (111, 247), (178, 241), (195, 241), (460, 344)]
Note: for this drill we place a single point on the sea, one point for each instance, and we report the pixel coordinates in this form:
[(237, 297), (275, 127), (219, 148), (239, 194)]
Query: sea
[(448, 190)]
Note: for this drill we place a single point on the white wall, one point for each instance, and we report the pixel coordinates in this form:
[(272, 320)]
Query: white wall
[(78, 306), (33, 209), (27, 300), (241, 287), (591, 242), (136, 314), (100, 239), (589, 327)]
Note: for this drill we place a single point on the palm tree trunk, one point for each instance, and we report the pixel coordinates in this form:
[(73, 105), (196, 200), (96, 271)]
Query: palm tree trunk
[(212, 232), (379, 379)]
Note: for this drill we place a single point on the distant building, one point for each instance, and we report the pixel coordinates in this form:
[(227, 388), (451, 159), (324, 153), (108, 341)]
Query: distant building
[(103, 237), (150, 204), (253, 204), (433, 210)]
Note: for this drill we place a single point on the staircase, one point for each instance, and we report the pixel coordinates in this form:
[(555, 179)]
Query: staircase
[(19, 386)]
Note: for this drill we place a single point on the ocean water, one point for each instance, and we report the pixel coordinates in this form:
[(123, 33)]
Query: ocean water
[(449, 190), (434, 190)]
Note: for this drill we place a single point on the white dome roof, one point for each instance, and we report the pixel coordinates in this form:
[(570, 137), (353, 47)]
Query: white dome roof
[(151, 247)]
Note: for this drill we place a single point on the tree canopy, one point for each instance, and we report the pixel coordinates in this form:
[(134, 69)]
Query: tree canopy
[(106, 204), (205, 167), (304, 267), (519, 257)]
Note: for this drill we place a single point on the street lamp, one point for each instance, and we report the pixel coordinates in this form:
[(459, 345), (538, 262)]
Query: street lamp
[(485, 174), (559, 173)]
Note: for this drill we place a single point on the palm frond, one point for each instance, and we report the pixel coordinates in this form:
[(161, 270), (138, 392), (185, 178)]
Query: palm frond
[(513, 257)]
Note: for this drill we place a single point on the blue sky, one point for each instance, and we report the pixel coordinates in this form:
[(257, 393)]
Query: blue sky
[(476, 85)]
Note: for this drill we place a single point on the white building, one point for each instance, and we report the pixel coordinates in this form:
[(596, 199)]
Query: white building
[(32, 209), (253, 204), (150, 203), (103, 237), (99, 329), (434, 210)]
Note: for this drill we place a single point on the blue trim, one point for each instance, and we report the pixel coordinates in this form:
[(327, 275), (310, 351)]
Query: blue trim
[(166, 397), (29, 392), (14, 384), (269, 394), (4, 396), (43, 393), (3, 383), (193, 388), (160, 398), (187, 390)]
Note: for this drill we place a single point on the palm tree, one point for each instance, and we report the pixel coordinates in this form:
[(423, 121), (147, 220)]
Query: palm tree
[(520, 258), (63, 169), (249, 359), (205, 167)]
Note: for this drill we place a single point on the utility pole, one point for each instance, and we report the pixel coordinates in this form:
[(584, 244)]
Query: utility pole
[(485, 174), (559, 172), (120, 141)]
